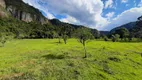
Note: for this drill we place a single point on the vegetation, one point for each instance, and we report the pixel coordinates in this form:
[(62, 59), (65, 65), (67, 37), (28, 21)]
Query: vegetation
[(4, 37), (123, 32), (48, 60), (65, 37), (23, 59), (115, 37), (83, 35)]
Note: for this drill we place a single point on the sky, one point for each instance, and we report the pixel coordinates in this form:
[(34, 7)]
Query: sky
[(98, 14)]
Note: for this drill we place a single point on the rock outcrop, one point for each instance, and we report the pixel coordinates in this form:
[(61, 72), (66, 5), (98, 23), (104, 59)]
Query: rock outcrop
[(26, 16), (21, 11), (2, 9), (2, 3)]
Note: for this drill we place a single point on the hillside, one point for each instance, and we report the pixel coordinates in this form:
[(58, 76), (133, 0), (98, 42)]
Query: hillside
[(128, 26)]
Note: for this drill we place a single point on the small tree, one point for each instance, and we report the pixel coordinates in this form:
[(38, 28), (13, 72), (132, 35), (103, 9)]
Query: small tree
[(65, 37), (4, 37), (84, 34), (115, 37), (106, 38)]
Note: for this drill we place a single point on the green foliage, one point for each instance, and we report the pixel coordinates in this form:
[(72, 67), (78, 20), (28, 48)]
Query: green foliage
[(65, 37), (95, 33), (106, 38), (123, 32), (115, 37), (4, 37), (83, 34)]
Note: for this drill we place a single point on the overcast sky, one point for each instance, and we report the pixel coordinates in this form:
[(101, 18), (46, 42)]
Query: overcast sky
[(98, 14)]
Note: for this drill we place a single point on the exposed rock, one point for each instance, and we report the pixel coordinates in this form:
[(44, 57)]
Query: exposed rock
[(2, 3), (24, 16), (2, 14), (8, 8), (2, 11)]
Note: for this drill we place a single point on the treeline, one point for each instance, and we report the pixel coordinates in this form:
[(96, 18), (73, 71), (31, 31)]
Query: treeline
[(57, 29), (34, 30), (127, 35)]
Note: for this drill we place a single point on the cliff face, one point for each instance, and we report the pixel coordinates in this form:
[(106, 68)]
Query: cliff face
[(19, 10), (2, 3), (26, 16), (2, 9)]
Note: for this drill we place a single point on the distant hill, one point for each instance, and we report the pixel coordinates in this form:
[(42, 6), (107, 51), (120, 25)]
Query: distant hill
[(104, 32), (128, 26), (57, 22)]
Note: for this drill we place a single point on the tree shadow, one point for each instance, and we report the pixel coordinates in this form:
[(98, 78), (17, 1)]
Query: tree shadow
[(53, 56)]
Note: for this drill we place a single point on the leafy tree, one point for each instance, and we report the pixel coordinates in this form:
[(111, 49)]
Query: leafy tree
[(65, 37), (84, 34), (106, 38), (4, 37), (139, 35), (95, 33), (59, 33), (123, 32), (115, 37), (131, 36)]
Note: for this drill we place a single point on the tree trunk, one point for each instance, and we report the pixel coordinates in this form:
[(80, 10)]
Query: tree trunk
[(85, 56), (65, 41), (59, 40), (85, 52)]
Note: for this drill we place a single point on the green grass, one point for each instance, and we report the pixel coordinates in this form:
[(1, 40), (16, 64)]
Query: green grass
[(45, 59)]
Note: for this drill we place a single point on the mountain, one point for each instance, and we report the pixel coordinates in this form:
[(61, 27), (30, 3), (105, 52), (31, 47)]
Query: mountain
[(104, 32), (57, 22), (25, 21), (21, 11), (128, 26)]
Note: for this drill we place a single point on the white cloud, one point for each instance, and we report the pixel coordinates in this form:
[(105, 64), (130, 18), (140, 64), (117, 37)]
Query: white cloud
[(110, 15), (125, 17), (69, 19), (36, 4), (83, 12), (124, 1), (86, 12), (109, 4)]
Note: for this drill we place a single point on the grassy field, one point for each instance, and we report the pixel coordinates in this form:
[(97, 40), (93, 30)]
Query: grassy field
[(44, 59)]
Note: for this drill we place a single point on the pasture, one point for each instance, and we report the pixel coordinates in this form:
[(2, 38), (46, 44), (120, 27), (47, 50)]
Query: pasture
[(46, 59)]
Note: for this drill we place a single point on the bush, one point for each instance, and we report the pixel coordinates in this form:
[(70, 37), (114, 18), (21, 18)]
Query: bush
[(115, 37), (106, 38)]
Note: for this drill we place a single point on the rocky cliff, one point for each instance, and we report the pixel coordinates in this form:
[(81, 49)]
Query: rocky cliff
[(3, 12), (2, 3), (19, 10)]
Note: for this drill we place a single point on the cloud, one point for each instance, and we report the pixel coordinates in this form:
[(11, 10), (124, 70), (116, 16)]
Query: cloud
[(109, 4), (36, 4), (82, 12), (69, 19), (124, 1), (110, 15), (125, 17)]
